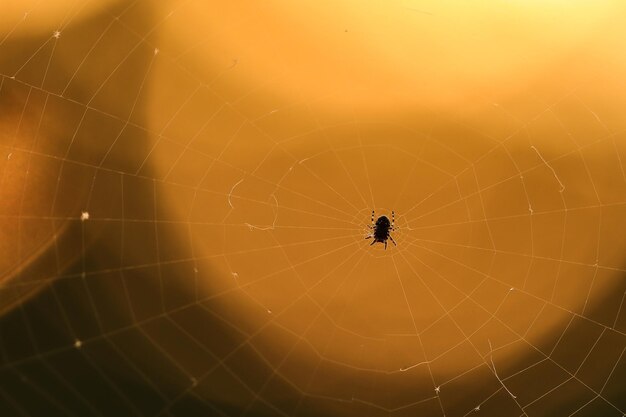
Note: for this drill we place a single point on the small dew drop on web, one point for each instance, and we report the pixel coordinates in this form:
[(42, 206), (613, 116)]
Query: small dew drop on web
[(84, 216), (78, 344)]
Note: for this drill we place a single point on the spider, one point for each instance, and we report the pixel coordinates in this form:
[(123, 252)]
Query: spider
[(381, 229)]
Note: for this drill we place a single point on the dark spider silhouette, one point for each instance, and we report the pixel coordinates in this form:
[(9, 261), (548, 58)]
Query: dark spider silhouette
[(381, 229)]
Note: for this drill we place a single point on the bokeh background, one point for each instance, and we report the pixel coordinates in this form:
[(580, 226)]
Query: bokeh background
[(186, 187)]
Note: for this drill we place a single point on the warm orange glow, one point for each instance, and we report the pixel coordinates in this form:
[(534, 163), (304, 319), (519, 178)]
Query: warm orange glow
[(196, 179)]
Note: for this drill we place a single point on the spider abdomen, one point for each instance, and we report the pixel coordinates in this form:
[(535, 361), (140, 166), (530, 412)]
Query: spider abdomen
[(381, 229), (381, 233)]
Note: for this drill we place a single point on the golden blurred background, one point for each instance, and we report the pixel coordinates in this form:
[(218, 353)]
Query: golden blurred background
[(186, 188)]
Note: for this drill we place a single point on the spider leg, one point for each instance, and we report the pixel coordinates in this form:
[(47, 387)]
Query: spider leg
[(374, 241), (372, 217), (368, 237), (385, 245), (394, 242), (393, 218)]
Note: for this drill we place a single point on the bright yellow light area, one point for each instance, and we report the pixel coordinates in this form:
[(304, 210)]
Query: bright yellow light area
[(390, 56)]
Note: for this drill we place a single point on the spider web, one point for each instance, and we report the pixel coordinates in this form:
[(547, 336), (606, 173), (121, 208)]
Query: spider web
[(182, 241)]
